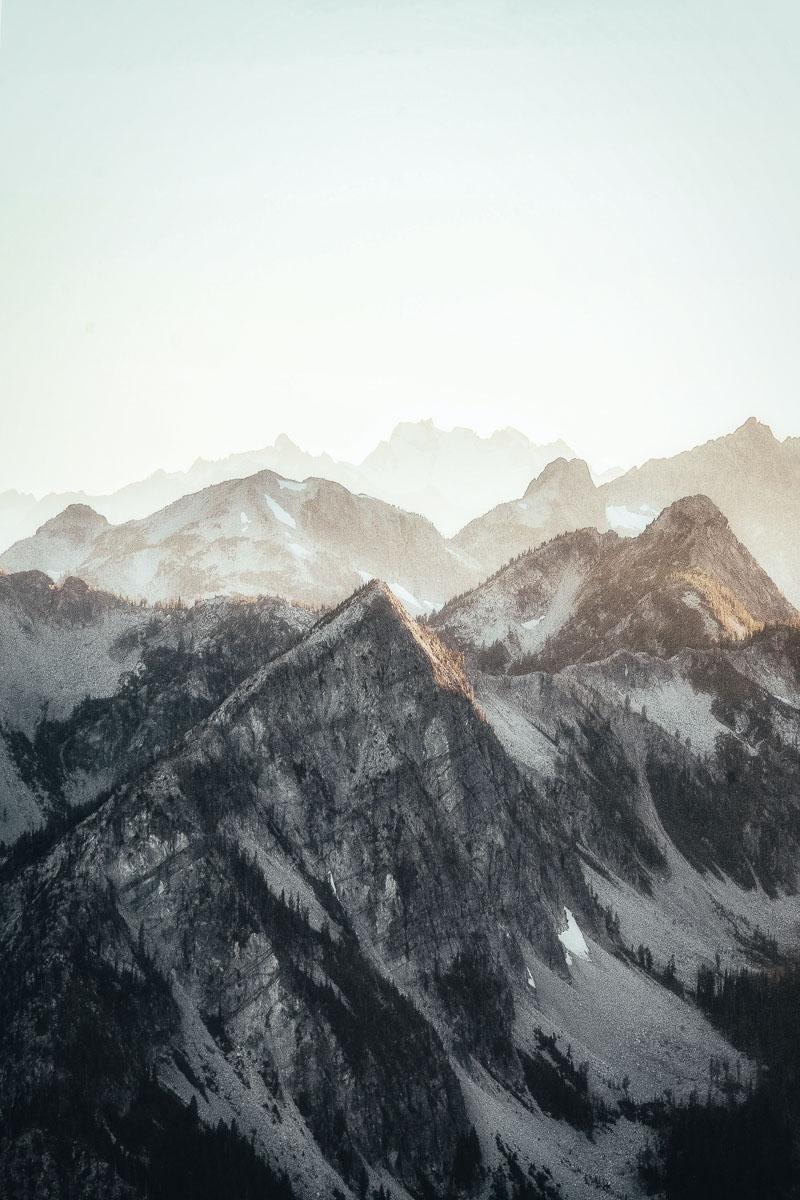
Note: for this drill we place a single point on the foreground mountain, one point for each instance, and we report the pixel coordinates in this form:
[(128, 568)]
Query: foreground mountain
[(327, 895), (685, 581), (312, 542), (322, 903), (276, 825), (420, 467)]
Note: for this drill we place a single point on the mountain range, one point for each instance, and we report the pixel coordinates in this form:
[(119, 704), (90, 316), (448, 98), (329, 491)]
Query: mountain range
[(419, 467), (350, 898), (313, 540), (753, 478), (395, 861)]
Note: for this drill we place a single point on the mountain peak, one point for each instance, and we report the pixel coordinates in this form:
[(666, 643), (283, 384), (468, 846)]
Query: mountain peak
[(562, 472), (376, 605), (284, 442), (416, 433), (696, 510), (74, 518), (752, 427)]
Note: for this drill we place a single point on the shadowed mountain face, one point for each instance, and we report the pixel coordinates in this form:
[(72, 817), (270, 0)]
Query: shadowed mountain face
[(92, 687), (344, 819), (679, 626), (312, 542)]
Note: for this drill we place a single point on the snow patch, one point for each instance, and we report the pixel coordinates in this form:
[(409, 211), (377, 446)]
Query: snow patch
[(291, 485), (573, 940), (414, 606), (466, 559), (243, 517), (532, 623), (300, 551), (678, 708), (279, 513), (620, 517)]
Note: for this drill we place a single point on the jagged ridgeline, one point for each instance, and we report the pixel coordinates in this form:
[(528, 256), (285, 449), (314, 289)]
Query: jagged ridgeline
[(306, 901)]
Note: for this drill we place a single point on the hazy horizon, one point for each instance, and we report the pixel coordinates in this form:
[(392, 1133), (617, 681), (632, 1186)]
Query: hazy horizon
[(224, 223), (596, 469)]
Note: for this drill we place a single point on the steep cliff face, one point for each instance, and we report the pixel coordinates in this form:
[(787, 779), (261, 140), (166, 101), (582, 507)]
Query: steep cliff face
[(514, 612), (371, 719), (644, 757)]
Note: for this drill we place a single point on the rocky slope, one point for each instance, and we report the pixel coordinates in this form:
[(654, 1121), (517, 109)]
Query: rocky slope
[(58, 646), (685, 581), (516, 610), (266, 881), (91, 685), (664, 762), (333, 884)]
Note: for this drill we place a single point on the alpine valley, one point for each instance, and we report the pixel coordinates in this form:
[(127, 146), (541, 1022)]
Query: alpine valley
[(415, 829)]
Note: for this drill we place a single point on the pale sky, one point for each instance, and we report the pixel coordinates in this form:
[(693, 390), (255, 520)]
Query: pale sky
[(221, 221)]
